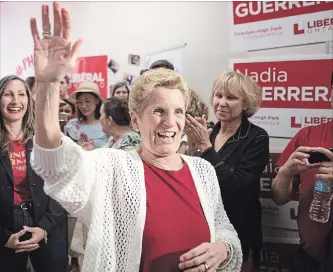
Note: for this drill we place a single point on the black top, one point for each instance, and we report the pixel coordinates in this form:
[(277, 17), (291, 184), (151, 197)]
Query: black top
[(48, 214), (239, 165)]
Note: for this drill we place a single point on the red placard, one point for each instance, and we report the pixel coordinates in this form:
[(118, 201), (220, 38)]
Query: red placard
[(90, 69), (254, 11), (299, 84)]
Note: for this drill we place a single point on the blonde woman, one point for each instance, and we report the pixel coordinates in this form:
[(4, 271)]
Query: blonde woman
[(239, 151), (152, 210), (197, 109)]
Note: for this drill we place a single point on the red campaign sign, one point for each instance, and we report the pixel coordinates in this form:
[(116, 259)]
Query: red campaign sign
[(90, 69), (299, 84), (254, 11), (269, 175)]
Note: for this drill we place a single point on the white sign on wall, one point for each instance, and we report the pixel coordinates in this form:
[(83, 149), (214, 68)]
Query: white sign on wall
[(258, 25), (173, 55)]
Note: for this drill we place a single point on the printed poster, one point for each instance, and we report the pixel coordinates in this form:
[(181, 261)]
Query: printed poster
[(256, 25), (90, 69), (273, 215), (295, 91)]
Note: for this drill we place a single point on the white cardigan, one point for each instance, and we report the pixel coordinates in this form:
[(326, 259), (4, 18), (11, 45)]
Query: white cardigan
[(105, 189)]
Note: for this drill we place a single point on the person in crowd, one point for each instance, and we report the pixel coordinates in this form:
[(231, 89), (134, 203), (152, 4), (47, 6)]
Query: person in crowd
[(116, 120), (31, 223), (239, 151), (64, 84), (86, 130), (121, 90), (162, 64), (297, 175), (66, 112), (151, 210), (196, 108), (31, 83), (143, 71), (66, 108)]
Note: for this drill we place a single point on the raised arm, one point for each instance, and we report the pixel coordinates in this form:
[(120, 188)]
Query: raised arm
[(67, 170), (54, 57)]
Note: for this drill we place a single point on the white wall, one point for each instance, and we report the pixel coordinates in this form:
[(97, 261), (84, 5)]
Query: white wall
[(119, 28)]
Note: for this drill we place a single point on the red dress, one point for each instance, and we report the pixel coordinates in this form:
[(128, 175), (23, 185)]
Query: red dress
[(175, 222)]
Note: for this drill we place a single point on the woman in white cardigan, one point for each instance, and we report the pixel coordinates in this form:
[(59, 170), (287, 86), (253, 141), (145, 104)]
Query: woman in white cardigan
[(147, 210)]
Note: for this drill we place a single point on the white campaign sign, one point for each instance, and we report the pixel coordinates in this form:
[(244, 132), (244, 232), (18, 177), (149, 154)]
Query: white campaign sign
[(258, 25)]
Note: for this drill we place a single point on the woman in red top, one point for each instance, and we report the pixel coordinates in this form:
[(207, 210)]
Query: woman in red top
[(31, 224)]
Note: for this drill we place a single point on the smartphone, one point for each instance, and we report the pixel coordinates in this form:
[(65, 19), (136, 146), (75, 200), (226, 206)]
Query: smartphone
[(317, 157), (26, 236)]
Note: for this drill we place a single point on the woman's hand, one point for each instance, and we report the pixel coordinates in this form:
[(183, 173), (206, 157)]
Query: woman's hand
[(38, 234), (86, 143), (196, 129), (54, 56), (14, 239), (206, 257)]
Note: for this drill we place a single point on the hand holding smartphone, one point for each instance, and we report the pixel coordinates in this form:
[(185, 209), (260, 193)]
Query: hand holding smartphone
[(25, 237), (318, 157)]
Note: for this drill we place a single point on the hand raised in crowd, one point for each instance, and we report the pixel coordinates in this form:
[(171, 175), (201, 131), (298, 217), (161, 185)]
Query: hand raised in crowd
[(325, 170), (197, 131), (54, 56), (205, 257), (86, 143), (297, 161), (38, 234)]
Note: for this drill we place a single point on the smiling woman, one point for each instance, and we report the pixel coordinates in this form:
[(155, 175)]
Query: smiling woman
[(239, 151), (86, 130), (27, 216), (15, 107), (132, 201), (147, 210)]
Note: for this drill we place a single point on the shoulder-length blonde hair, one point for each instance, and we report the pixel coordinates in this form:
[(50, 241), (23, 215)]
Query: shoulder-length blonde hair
[(241, 86), (28, 118)]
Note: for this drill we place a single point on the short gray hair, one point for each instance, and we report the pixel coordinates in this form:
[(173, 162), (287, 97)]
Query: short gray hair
[(144, 86)]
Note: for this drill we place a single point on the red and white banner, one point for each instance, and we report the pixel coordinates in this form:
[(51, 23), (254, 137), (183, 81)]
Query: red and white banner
[(273, 215), (90, 69), (269, 24), (296, 91)]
